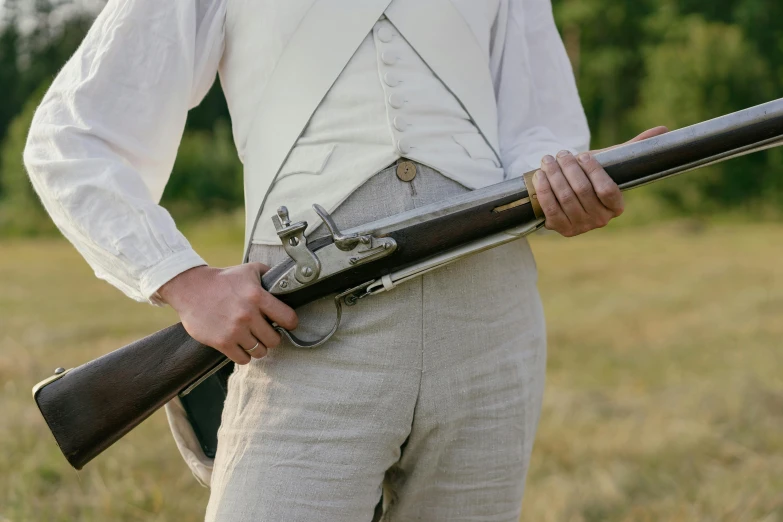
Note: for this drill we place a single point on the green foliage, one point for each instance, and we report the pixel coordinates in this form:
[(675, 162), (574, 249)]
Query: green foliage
[(604, 39), (675, 63), (638, 64), (207, 175), (21, 212), (9, 73), (32, 57), (699, 71)]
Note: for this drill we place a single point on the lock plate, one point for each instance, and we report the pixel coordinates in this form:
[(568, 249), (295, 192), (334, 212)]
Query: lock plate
[(345, 252)]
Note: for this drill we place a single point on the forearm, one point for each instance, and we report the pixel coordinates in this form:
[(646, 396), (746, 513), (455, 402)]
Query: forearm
[(127, 238), (104, 139), (539, 110)]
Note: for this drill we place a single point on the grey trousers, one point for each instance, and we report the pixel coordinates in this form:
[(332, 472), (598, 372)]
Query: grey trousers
[(425, 401)]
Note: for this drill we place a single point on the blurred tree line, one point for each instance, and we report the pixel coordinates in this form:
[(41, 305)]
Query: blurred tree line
[(638, 64), (643, 63), (36, 38)]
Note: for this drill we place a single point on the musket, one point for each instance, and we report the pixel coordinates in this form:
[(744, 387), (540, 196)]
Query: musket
[(90, 407)]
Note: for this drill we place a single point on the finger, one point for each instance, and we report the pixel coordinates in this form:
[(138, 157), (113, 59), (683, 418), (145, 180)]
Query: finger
[(582, 186), (605, 188), (262, 331), (259, 268), (563, 192), (650, 133), (249, 342), (273, 309), (278, 312), (257, 352), (236, 354), (555, 217)]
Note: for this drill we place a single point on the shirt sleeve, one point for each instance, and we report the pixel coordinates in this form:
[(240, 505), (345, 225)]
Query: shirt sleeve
[(539, 111), (104, 139)]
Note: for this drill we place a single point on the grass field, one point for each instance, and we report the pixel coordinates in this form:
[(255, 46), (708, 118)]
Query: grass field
[(664, 395)]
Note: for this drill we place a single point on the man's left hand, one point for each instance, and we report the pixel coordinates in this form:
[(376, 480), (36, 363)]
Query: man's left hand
[(576, 194)]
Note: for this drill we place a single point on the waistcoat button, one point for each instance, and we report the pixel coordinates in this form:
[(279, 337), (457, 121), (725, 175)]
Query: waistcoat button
[(391, 79), (406, 171), (389, 58), (403, 146), (400, 123), (396, 101), (385, 34)]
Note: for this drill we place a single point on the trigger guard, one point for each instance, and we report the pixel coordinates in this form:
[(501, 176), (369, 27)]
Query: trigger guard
[(301, 343)]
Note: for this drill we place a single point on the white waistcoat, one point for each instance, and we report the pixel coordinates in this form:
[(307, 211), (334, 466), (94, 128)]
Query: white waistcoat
[(386, 104), (289, 53)]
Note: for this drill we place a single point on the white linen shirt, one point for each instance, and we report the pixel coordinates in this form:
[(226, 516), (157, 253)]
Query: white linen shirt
[(105, 137)]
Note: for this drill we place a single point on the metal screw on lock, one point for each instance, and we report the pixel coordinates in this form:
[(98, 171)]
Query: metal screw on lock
[(282, 213), (308, 266)]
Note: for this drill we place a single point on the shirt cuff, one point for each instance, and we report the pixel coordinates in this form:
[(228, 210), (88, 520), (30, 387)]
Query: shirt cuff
[(158, 275)]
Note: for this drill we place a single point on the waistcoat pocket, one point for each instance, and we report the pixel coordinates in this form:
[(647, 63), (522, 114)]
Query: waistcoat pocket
[(307, 159), (476, 147)]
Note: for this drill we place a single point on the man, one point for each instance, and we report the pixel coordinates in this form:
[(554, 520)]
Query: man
[(430, 393)]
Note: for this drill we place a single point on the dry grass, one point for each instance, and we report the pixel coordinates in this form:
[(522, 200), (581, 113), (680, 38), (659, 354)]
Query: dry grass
[(664, 395), (665, 387)]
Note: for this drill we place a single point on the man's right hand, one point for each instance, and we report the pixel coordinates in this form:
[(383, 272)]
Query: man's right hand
[(228, 309)]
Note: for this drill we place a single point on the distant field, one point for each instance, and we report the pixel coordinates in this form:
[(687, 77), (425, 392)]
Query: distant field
[(664, 396)]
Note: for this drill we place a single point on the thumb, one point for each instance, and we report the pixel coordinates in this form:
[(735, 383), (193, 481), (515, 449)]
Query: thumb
[(650, 133), (259, 268)]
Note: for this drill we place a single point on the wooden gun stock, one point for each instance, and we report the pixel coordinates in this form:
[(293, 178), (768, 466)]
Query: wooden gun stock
[(92, 406)]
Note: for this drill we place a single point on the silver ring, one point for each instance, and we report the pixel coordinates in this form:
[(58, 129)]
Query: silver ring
[(253, 348)]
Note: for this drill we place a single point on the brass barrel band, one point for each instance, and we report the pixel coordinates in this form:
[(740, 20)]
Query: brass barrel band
[(531, 192)]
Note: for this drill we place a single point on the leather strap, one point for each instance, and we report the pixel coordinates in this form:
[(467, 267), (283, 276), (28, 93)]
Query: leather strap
[(438, 31), (312, 61)]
